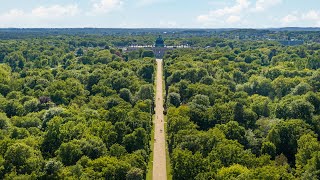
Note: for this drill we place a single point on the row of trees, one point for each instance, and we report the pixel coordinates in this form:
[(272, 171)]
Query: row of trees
[(73, 112), (249, 110)]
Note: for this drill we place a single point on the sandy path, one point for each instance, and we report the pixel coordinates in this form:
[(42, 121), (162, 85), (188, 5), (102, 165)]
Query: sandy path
[(159, 151)]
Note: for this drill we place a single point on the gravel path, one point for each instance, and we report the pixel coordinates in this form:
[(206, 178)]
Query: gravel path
[(159, 151)]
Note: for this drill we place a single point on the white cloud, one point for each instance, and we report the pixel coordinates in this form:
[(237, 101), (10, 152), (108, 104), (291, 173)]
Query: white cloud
[(55, 11), (236, 9), (231, 14), (262, 5), (310, 18), (146, 2), (290, 18), (11, 15), (168, 24), (106, 6), (130, 24), (42, 12), (39, 17), (233, 19), (237, 14), (312, 15), (203, 18)]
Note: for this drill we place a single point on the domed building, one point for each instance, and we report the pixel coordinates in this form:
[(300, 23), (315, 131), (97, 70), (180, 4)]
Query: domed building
[(159, 42)]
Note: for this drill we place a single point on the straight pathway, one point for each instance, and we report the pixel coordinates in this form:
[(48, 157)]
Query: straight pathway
[(159, 151)]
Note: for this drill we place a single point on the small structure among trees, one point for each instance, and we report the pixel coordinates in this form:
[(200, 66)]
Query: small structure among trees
[(159, 42), (159, 49)]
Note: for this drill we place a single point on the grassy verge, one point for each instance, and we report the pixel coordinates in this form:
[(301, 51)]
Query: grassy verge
[(169, 174), (150, 163)]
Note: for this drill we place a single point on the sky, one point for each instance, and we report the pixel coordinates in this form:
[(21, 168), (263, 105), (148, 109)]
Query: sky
[(159, 13)]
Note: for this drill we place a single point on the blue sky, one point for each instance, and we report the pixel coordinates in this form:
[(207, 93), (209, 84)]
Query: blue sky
[(159, 13)]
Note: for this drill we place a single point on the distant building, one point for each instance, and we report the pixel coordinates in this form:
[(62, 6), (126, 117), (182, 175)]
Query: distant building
[(159, 49), (292, 42), (159, 42)]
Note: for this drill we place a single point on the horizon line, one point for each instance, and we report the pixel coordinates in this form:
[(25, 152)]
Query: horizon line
[(284, 27)]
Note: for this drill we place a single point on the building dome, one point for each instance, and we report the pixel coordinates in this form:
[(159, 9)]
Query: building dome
[(159, 42)]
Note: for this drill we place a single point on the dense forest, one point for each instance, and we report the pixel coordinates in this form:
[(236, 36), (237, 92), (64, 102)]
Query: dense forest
[(244, 110), (70, 111), (92, 37), (79, 107)]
